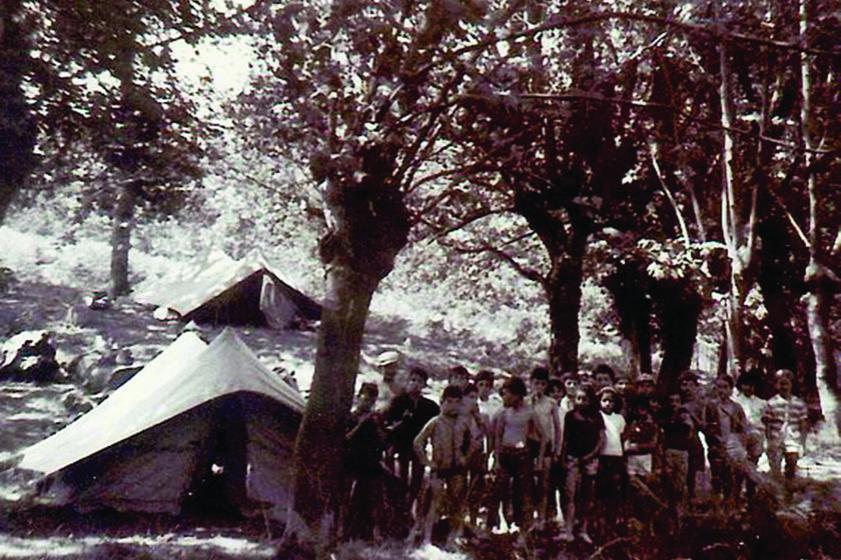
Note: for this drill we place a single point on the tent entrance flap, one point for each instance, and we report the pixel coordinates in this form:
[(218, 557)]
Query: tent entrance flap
[(218, 486)]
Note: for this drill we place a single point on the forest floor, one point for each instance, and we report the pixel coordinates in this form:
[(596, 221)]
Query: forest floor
[(803, 524)]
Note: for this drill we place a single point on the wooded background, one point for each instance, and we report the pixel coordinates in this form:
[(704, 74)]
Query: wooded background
[(680, 158)]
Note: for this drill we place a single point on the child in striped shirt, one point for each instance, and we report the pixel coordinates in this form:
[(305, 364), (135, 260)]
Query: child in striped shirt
[(784, 418)]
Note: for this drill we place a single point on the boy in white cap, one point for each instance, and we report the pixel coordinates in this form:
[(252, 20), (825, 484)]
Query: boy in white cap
[(391, 385)]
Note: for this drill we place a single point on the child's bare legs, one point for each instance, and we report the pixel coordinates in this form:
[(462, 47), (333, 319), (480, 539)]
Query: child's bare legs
[(454, 493), (571, 487), (436, 493)]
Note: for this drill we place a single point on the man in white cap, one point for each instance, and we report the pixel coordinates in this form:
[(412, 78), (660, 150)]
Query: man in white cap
[(391, 384)]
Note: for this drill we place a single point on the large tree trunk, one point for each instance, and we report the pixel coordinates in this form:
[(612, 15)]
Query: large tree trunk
[(320, 445), (781, 290), (368, 225), (678, 309), (563, 289), (123, 222), (629, 288), (17, 129)]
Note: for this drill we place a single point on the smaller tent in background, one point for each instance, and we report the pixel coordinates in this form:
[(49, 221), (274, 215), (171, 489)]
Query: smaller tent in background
[(200, 424), (230, 292)]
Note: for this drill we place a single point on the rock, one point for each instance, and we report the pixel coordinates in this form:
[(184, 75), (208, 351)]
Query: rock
[(30, 356), (77, 404)]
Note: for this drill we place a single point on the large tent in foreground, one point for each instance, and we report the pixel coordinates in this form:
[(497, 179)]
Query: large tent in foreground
[(201, 425), (231, 292)]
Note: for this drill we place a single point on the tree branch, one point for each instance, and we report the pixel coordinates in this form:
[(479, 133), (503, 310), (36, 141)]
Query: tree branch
[(525, 271), (683, 229), (572, 96), (561, 22)]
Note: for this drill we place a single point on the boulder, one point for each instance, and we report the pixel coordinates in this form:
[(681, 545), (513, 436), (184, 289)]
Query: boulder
[(30, 356), (77, 404)]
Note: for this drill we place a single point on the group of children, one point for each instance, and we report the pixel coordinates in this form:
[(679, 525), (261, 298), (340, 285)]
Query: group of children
[(558, 448)]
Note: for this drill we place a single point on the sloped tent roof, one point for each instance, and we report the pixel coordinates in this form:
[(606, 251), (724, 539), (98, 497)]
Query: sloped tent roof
[(147, 445), (227, 291)]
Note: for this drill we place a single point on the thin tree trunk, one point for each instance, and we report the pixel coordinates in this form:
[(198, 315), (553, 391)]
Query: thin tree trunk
[(818, 278), (320, 445), (122, 225), (739, 243)]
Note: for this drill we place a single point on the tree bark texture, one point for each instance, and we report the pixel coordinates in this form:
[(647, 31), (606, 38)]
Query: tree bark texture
[(563, 290), (319, 448), (782, 289), (17, 127), (121, 227), (678, 307), (819, 279), (738, 237), (368, 225), (629, 287)]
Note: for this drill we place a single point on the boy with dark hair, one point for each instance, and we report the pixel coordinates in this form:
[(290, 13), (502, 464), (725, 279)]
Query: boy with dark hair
[(583, 439), (753, 406), (407, 414), (726, 427), (458, 376), (677, 429), (489, 400), (513, 465), (785, 418), (546, 412), (446, 433), (603, 376), (556, 473), (696, 407), (364, 446), (477, 460)]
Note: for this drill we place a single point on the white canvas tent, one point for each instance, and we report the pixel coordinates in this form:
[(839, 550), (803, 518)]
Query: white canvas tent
[(227, 291), (197, 420)]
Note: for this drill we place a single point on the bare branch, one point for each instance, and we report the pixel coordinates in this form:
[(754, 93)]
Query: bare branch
[(683, 229), (470, 219), (525, 271)]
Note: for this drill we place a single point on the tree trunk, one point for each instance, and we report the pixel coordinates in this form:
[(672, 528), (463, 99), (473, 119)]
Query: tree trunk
[(679, 307), (17, 127), (320, 445), (368, 225), (781, 290), (121, 238), (629, 288), (738, 238), (563, 290), (819, 280)]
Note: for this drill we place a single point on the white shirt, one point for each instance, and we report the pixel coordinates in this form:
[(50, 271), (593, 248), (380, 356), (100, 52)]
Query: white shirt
[(614, 425), (753, 407), (490, 406)]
